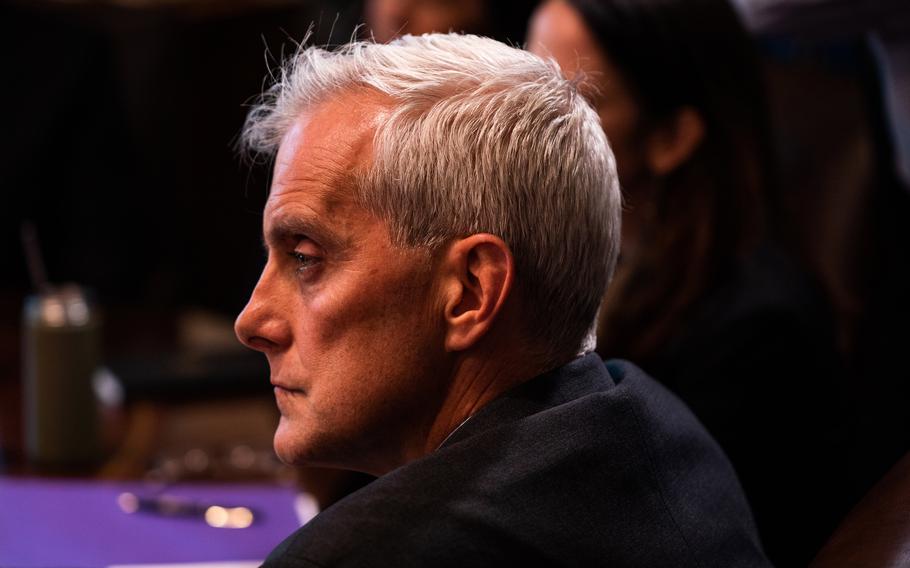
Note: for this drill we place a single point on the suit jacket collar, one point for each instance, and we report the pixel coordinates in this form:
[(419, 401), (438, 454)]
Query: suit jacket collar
[(581, 376)]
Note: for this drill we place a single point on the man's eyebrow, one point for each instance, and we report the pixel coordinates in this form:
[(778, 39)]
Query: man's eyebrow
[(292, 228)]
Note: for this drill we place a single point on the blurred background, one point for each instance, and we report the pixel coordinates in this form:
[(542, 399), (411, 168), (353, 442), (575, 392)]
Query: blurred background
[(119, 125)]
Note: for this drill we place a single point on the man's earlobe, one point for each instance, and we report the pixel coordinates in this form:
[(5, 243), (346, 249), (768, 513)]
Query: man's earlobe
[(480, 271)]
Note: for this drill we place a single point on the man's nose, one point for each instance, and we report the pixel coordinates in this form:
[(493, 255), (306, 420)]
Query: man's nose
[(263, 324)]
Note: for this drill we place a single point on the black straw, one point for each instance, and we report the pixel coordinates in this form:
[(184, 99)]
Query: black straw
[(33, 258)]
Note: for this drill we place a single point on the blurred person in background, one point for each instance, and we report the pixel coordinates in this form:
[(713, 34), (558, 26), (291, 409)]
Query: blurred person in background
[(703, 299), (839, 75), (503, 20), (886, 25)]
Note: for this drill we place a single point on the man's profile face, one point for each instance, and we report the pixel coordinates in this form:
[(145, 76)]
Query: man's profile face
[(346, 318)]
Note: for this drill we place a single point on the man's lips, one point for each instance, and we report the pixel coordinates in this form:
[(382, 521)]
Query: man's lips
[(279, 386), (285, 397)]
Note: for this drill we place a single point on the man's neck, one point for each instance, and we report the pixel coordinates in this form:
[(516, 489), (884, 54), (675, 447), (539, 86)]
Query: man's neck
[(477, 381)]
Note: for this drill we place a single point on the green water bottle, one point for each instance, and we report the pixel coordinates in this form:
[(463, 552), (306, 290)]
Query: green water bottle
[(61, 354)]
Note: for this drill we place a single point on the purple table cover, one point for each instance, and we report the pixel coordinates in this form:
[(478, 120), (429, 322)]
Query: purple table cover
[(75, 524)]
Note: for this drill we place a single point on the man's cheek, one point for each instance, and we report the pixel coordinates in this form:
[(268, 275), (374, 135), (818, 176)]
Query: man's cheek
[(347, 322)]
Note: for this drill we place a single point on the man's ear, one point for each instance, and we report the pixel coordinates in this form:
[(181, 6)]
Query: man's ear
[(672, 144), (479, 272)]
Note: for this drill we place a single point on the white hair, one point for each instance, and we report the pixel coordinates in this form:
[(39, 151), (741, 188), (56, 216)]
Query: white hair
[(481, 138)]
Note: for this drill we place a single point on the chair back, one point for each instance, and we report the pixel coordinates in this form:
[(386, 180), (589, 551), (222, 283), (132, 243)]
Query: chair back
[(876, 533)]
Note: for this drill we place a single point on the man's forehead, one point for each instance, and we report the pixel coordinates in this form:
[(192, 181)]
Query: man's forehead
[(325, 146), (349, 119), (319, 157)]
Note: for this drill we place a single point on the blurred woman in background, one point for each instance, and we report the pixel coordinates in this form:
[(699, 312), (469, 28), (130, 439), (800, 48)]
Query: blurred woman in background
[(505, 20), (702, 300)]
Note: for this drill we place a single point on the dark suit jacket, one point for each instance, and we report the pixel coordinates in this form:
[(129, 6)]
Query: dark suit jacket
[(577, 467)]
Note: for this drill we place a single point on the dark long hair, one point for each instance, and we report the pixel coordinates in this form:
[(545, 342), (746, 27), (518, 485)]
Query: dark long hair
[(708, 212)]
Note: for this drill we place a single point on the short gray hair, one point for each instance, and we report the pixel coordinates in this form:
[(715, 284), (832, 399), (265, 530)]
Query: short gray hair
[(481, 138)]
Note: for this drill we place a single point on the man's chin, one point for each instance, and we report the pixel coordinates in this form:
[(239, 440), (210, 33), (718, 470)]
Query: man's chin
[(295, 449), (288, 449)]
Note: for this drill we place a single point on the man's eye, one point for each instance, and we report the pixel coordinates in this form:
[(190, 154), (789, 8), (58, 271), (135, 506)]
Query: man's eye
[(304, 261)]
